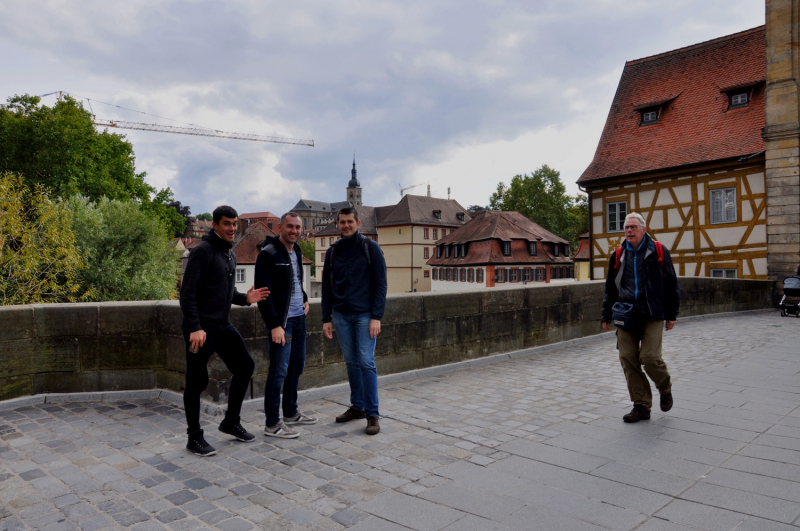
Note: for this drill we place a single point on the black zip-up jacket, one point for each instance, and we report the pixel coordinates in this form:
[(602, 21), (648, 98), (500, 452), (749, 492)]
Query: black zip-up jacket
[(274, 270), (209, 284), (661, 292), (352, 285)]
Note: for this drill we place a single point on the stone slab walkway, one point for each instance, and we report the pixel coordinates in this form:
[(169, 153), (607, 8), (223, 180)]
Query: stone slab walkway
[(535, 442)]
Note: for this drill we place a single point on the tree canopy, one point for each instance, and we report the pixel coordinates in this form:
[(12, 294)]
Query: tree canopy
[(60, 149), (39, 257), (543, 198)]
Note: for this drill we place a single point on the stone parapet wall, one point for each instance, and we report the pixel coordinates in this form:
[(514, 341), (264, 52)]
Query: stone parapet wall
[(72, 348)]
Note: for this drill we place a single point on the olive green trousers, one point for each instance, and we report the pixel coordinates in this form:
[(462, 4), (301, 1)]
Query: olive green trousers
[(641, 347)]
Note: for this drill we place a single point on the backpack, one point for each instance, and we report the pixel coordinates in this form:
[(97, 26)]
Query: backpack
[(365, 244), (659, 252)]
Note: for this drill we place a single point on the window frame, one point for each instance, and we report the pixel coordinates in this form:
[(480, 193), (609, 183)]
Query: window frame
[(425, 234), (722, 212), (435, 275), (243, 275), (426, 274), (620, 222), (505, 247), (435, 234), (479, 275), (739, 105), (425, 252), (648, 112), (724, 272), (532, 249), (526, 274)]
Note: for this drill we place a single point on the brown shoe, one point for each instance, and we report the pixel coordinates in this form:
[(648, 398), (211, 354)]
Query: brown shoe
[(666, 401), (637, 413), (372, 426), (351, 414)]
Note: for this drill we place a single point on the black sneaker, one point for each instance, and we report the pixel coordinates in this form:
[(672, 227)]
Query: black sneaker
[(236, 430), (198, 445), (351, 414), (666, 401)]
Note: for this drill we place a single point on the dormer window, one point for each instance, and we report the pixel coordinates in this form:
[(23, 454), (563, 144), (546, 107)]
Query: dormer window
[(506, 248), (438, 251), (437, 214), (555, 249), (532, 248), (739, 99), (463, 250), (460, 216), (649, 116), (447, 251)]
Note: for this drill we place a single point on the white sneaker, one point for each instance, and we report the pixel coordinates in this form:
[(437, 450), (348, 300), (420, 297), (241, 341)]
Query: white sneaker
[(299, 419), (281, 431)]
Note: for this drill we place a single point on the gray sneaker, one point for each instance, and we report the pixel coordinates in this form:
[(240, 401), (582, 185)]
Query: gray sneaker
[(299, 419), (281, 431)]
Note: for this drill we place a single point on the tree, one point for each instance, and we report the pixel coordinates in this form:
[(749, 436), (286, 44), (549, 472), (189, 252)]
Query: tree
[(205, 216), (59, 148), (308, 248), (476, 208), (39, 258), (128, 254), (542, 197)]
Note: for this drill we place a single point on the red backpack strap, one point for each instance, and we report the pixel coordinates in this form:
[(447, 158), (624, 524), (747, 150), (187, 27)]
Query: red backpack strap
[(660, 253), (617, 256)]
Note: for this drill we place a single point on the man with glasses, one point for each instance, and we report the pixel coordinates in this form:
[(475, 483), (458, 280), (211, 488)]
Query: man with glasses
[(641, 273)]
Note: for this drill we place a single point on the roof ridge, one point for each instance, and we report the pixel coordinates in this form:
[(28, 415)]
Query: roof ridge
[(695, 46)]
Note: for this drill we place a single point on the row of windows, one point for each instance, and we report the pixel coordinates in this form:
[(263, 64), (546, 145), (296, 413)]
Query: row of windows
[(737, 99), (723, 209), (528, 274), (459, 250), (426, 233), (454, 274)]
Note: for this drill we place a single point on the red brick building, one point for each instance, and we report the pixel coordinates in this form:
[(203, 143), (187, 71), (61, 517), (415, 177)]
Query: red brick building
[(497, 248)]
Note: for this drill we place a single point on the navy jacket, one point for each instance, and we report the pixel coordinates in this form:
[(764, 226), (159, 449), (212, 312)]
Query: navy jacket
[(661, 293), (274, 270), (352, 285), (208, 286)]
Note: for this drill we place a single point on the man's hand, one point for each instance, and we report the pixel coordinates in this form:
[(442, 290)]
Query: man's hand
[(306, 307), (327, 330), (278, 335), (255, 295), (196, 340), (606, 326), (374, 328), (669, 325)]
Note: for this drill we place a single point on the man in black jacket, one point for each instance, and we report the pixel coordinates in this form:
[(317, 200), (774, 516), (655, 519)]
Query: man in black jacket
[(279, 267), (207, 291), (354, 297), (643, 276)]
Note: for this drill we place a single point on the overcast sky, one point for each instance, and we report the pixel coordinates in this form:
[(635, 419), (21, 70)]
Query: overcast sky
[(458, 94)]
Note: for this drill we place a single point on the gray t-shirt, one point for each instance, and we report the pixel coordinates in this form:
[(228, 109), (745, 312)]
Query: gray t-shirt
[(296, 304)]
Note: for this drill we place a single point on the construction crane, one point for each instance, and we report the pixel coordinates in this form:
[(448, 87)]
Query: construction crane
[(402, 190), (200, 132), (196, 131)]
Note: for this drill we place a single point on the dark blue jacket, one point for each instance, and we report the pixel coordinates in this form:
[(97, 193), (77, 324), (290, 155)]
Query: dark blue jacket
[(657, 287), (209, 284), (352, 285), (274, 270)]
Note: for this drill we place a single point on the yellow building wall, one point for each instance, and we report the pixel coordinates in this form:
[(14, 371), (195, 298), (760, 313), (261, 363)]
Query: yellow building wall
[(677, 212), (582, 270)]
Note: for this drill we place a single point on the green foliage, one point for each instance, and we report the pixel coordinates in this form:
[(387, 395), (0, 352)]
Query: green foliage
[(39, 258), (205, 216), (308, 247), (59, 148), (542, 198), (128, 255)]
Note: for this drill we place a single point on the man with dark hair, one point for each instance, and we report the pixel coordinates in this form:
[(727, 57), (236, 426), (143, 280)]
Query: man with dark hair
[(354, 297), (279, 267), (207, 291)]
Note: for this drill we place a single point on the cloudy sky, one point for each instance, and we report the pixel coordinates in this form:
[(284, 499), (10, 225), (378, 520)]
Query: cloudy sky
[(458, 94)]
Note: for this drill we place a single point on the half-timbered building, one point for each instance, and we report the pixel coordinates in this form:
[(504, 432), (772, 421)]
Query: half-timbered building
[(682, 146)]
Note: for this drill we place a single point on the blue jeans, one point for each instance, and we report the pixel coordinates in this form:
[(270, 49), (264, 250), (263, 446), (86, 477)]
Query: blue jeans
[(286, 364), (359, 356)]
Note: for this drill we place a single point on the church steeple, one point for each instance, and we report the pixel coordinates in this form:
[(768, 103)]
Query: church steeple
[(354, 187)]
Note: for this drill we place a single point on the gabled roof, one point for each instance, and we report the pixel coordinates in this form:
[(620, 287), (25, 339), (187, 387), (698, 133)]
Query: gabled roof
[(419, 210), (246, 249), (258, 215), (504, 226), (306, 205), (688, 86)]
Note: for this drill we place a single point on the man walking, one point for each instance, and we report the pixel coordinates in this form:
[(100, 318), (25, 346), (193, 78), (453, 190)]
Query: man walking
[(640, 272), (354, 297), (279, 267), (207, 291)]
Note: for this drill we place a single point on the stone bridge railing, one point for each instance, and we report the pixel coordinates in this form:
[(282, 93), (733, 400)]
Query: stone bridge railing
[(71, 348)]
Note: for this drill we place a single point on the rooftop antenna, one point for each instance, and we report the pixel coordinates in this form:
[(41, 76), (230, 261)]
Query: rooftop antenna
[(448, 192)]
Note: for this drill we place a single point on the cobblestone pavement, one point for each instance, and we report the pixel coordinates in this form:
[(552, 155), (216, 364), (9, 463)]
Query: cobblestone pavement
[(534, 442)]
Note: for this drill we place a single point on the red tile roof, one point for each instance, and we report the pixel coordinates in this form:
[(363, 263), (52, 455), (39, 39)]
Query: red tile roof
[(258, 215), (694, 124), (583, 252), (484, 232), (246, 249)]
